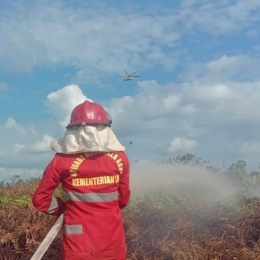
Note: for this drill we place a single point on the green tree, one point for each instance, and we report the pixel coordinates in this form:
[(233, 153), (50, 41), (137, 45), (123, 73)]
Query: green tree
[(237, 171), (192, 160)]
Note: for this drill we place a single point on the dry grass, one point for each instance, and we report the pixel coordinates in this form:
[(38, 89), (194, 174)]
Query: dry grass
[(158, 225), (185, 231)]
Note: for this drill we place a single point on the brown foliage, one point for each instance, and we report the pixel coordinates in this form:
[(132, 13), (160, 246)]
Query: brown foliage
[(195, 233), (158, 227), (22, 229)]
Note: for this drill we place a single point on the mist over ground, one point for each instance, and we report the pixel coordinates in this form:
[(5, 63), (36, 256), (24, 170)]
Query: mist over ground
[(181, 180)]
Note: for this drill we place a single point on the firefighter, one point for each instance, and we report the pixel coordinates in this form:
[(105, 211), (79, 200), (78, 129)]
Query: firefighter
[(93, 169)]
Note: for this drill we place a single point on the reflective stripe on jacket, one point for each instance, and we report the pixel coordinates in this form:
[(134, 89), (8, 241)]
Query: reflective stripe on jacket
[(96, 187)]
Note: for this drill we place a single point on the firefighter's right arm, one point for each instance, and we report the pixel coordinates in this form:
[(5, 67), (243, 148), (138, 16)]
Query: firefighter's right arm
[(43, 199)]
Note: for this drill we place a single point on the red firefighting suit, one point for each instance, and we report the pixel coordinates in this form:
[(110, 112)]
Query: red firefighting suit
[(96, 186)]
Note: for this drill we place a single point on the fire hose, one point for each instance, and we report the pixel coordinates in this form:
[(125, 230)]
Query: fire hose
[(48, 239)]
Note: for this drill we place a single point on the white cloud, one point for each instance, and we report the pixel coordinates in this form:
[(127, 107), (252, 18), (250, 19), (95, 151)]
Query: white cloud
[(225, 62), (21, 143), (216, 104), (62, 102), (250, 147), (226, 68), (19, 147), (220, 114), (102, 40), (90, 39), (10, 123), (233, 67), (215, 115), (182, 145), (26, 141), (220, 16), (212, 105), (194, 131), (212, 94), (13, 125), (42, 145)]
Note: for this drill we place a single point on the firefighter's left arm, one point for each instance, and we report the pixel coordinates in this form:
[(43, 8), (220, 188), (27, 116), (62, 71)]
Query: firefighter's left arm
[(43, 199), (124, 189)]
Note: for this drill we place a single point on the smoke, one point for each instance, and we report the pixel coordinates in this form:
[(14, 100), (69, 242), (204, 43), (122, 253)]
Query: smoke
[(180, 180)]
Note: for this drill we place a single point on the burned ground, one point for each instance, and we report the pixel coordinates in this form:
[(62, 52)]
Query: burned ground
[(186, 217), (158, 226)]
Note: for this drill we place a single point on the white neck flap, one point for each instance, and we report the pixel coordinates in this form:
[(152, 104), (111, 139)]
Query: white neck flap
[(86, 138)]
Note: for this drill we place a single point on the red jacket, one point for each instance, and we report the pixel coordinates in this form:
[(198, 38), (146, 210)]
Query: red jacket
[(96, 187)]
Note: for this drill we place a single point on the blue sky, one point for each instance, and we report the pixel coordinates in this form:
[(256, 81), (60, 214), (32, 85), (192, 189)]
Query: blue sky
[(198, 92)]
